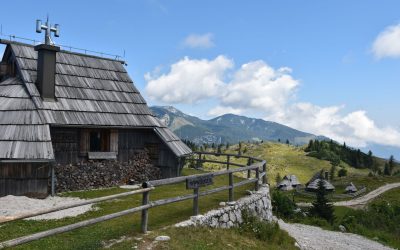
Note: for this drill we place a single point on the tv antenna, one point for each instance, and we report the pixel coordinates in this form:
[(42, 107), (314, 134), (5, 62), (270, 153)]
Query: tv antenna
[(47, 27)]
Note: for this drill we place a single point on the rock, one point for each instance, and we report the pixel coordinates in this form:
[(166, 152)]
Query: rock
[(225, 218), (222, 204), (231, 203), (342, 228), (162, 238)]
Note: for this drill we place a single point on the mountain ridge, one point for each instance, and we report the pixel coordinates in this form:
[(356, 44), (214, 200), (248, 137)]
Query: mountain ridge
[(228, 128)]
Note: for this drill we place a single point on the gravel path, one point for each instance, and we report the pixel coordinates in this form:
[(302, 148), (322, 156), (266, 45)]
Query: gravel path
[(315, 238), (361, 201), (14, 205)]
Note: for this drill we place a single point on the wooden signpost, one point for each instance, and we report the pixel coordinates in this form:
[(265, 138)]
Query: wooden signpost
[(195, 183)]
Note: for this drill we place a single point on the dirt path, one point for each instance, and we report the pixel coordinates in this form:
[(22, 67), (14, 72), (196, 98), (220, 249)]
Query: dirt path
[(363, 200), (315, 238), (360, 201)]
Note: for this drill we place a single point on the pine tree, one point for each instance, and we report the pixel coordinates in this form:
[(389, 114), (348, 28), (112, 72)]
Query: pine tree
[(287, 141), (321, 206), (386, 170), (332, 172), (391, 164)]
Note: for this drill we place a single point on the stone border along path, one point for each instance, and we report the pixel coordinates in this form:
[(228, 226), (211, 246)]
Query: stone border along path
[(360, 201), (315, 238)]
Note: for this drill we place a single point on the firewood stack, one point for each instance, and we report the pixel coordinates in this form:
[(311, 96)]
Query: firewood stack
[(106, 173)]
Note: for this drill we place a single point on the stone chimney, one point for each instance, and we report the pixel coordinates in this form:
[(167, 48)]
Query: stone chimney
[(46, 70)]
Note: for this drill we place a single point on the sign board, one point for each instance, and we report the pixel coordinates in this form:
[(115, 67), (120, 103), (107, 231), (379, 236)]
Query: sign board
[(199, 181)]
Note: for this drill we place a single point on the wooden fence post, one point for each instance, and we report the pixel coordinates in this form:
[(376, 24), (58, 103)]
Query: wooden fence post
[(199, 162), (258, 178), (248, 171), (196, 201), (231, 187), (145, 212), (265, 173), (228, 157), (53, 180)]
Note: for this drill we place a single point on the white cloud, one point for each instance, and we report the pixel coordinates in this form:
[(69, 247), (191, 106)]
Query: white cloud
[(258, 88), (387, 44), (199, 41), (256, 85), (188, 81), (354, 128), (221, 110)]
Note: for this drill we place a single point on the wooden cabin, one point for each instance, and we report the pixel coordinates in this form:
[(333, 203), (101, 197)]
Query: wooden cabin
[(288, 182), (60, 107)]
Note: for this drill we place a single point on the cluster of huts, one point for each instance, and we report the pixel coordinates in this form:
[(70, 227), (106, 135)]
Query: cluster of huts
[(290, 182)]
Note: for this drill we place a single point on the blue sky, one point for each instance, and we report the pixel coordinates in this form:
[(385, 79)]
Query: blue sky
[(336, 81)]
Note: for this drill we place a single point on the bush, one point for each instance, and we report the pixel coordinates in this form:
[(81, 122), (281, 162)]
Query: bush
[(342, 172), (283, 205), (265, 231)]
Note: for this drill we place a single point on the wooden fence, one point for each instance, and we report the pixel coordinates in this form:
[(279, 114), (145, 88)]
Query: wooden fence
[(195, 182)]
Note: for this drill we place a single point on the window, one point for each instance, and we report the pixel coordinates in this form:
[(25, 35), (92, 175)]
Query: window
[(99, 141)]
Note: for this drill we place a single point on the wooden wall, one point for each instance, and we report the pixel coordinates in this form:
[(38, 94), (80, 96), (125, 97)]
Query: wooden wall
[(66, 145), (70, 146), (134, 139), (29, 179)]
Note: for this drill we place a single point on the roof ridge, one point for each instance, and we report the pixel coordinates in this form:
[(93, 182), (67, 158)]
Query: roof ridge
[(5, 41)]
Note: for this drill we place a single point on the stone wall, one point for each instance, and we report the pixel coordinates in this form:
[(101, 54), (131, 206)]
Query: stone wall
[(105, 173), (257, 204)]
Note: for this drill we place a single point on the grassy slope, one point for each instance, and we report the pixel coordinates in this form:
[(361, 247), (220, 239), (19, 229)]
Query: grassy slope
[(285, 159), (92, 236)]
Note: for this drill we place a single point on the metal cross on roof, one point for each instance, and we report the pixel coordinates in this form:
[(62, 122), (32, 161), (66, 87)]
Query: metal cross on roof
[(48, 29)]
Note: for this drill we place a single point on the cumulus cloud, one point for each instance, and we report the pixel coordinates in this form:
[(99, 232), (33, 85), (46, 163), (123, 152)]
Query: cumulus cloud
[(256, 87), (387, 44), (199, 41), (188, 81), (354, 128), (221, 110)]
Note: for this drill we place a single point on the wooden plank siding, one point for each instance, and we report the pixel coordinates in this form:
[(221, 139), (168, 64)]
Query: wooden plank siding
[(24, 179)]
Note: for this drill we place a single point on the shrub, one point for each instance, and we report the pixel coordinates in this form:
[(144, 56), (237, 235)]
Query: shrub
[(265, 231), (283, 205), (342, 172)]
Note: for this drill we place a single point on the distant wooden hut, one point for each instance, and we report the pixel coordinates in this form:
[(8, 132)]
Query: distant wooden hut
[(351, 188), (288, 183), (312, 184), (60, 107)]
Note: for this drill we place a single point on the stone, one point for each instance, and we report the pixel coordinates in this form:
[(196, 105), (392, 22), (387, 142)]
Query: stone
[(163, 238), (231, 203), (229, 224), (342, 228), (222, 204), (225, 217)]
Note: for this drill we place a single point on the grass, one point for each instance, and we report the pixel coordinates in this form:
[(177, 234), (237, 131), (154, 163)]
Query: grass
[(207, 238), (283, 159), (92, 237)]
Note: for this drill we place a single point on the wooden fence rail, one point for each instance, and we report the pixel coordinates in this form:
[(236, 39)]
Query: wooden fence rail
[(260, 177)]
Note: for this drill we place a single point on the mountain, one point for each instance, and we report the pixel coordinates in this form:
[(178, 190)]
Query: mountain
[(228, 128)]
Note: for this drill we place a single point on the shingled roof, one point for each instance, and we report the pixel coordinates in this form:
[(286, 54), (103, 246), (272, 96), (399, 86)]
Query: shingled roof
[(89, 91)]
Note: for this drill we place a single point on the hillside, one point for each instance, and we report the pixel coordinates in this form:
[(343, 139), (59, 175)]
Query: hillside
[(228, 128), (287, 159)]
